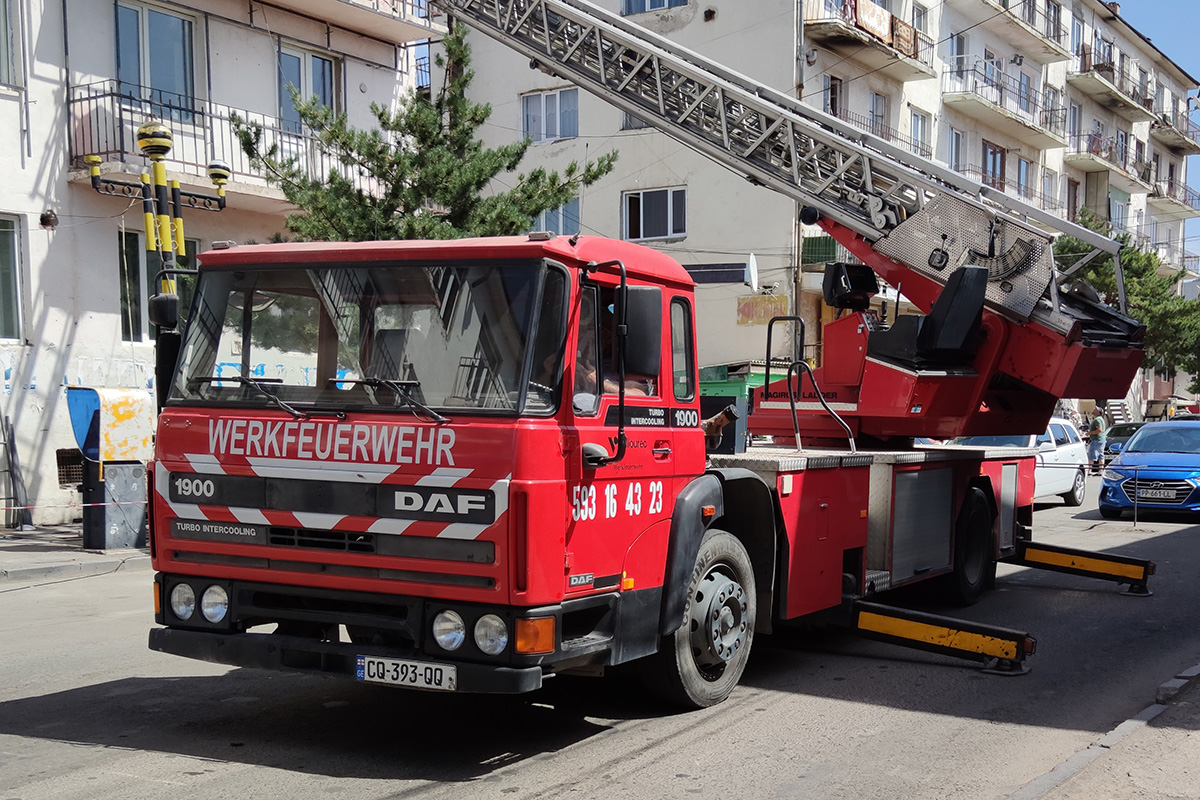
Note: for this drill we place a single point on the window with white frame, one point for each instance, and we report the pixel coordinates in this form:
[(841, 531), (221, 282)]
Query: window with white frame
[(138, 269), (833, 96), (311, 75), (955, 154), (561, 220), (631, 123), (919, 121), (639, 6), (155, 59), (1050, 186), (551, 115), (655, 214), (1024, 177), (1025, 92), (877, 114), (957, 43), (920, 18), (10, 306), (9, 73)]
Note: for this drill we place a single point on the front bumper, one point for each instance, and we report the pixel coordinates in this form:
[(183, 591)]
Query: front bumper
[(1120, 494), (300, 654)]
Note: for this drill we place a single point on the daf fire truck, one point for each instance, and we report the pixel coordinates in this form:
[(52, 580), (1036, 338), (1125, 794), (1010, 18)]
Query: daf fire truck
[(472, 465)]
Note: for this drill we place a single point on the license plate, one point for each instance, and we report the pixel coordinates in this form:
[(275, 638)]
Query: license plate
[(1156, 494), (418, 674)]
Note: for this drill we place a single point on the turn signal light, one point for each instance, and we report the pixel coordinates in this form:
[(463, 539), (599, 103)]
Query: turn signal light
[(708, 512), (157, 599), (535, 636)]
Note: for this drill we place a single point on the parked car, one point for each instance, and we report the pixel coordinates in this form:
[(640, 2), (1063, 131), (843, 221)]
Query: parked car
[(1061, 461), (1118, 435), (1158, 468)]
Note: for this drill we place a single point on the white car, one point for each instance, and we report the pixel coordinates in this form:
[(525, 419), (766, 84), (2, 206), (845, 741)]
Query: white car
[(1061, 462)]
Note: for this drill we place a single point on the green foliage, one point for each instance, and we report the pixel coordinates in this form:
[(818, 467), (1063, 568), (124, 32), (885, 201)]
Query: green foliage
[(420, 174), (1172, 323)]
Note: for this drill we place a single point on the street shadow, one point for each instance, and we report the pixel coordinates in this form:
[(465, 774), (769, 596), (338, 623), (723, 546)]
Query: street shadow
[(329, 727)]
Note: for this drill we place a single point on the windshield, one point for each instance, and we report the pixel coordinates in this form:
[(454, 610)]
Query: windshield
[(1167, 439), (993, 441), (418, 338)]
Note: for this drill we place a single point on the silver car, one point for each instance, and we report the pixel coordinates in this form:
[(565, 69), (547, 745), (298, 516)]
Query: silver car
[(1061, 461)]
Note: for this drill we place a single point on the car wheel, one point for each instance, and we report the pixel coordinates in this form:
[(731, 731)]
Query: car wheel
[(1110, 513), (700, 664), (1078, 490)]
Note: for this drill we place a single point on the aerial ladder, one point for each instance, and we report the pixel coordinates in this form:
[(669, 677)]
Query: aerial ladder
[(997, 353)]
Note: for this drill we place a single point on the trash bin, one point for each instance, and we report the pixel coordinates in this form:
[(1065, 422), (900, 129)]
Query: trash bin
[(114, 429)]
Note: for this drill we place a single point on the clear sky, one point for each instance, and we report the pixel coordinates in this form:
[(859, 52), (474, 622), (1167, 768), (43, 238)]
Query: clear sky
[(1172, 26)]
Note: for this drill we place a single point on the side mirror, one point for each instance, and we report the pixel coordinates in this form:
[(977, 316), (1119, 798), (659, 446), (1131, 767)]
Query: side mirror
[(1116, 447), (594, 455), (643, 320), (163, 310)]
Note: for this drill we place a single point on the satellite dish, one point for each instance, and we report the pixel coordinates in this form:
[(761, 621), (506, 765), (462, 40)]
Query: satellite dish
[(752, 273)]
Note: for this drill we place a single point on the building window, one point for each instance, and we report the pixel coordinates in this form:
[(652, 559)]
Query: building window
[(655, 214), (920, 132), (154, 60), (920, 18), (955, 156), (1025, 93), (833, 96), (564, 219), (639, 6), (958, 53), (551, 115), (1050, 186), (877, 115), (138, 269), (1054, 21), (10, 307), (1024, 177), (1072, 199), (993, 68), (681, 349), (993, 165), (1076, 36), (631, 123), (309, 74), (9, 73)]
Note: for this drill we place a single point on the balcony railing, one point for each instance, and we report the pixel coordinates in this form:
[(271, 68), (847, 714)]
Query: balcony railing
[(1179, 192), (1033, 13), (887, 132), (1180, 122), (397, 9), (1088, 61), (899, 35), (1107, 149), (104, 118), (973, 75), (423, 72), (1027, 192)]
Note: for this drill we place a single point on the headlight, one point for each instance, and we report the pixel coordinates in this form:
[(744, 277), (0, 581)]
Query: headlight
[(448, 630), (491, 634), (214, 603), (183, 601), (1112, 475)]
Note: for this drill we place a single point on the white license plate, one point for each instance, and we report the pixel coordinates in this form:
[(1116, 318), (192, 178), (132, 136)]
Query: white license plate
[(418, 674), (1156, 494)]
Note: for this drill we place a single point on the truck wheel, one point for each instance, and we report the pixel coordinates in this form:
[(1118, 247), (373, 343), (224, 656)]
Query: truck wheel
[(700, 664), (973, 561), (1078, 490)]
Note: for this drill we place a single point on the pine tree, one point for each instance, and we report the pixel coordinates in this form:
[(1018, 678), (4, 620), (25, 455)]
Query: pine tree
[(421, 174)]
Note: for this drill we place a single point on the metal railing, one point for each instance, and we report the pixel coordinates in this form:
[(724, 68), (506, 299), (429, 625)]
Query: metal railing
[(901, 37), (1179, 192), (1034, 14), (1107, 149), (1180, 122), (1028, 192), (423, 75), (397, 9), (1123, 80), (923, 149), (104, 118), (972, 75)]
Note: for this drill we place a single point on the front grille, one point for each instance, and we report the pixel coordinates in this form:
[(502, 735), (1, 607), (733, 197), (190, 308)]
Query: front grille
[(344, 541), (1180, 490)]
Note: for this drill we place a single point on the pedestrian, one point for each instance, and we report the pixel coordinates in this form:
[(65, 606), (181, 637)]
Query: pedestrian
[(1097, 433)]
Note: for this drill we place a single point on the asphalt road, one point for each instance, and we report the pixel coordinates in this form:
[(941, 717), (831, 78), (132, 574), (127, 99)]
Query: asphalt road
[(87, 711)]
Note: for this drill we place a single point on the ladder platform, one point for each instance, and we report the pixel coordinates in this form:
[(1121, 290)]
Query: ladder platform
[(1121, 569), (1002, 650)]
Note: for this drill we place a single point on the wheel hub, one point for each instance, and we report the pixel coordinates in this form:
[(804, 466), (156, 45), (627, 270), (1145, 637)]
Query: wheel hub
[(718, 619)]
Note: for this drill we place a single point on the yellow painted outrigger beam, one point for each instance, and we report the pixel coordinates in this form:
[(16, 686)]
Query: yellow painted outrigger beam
[(1132, 571)]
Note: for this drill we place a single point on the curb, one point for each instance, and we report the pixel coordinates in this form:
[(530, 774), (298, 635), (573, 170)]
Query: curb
[(76, 569), (1168, 691)]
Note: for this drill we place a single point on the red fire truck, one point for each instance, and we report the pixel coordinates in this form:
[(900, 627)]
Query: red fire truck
[(470, 465)]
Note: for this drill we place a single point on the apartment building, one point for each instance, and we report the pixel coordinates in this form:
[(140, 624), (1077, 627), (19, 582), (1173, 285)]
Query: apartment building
[(78, 77), (1062, 103)]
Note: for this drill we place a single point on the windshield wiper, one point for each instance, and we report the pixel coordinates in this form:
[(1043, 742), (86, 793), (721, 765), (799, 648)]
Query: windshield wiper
[(401, 388), (257, 384)]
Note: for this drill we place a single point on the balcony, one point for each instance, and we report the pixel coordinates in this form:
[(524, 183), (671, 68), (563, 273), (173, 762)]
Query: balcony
[(1173, 257), (1177, 131), (1179, 199), (887, 132), (1093, 152), (983, 92), (1022, 24), (1100, 79), (396, 21), (871, 36), (1027, 193), (103, 119)]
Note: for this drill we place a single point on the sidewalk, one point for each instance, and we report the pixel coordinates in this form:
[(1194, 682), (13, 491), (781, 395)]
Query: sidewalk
[(56, 552)]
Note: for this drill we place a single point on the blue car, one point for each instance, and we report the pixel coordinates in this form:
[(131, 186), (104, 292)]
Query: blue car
[(1158, 469)]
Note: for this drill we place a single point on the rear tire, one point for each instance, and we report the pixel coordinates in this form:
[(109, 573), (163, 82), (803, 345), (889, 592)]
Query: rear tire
[(700, 663), (973, 562), (1078, 490)]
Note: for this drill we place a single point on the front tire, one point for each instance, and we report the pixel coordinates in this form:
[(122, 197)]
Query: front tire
[(1078, 490), (699, 664), (973, 562)]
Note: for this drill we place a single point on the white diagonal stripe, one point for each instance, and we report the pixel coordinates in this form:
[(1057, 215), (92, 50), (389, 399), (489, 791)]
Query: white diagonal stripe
[(471, 530), (314, 519), (204, 463)]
